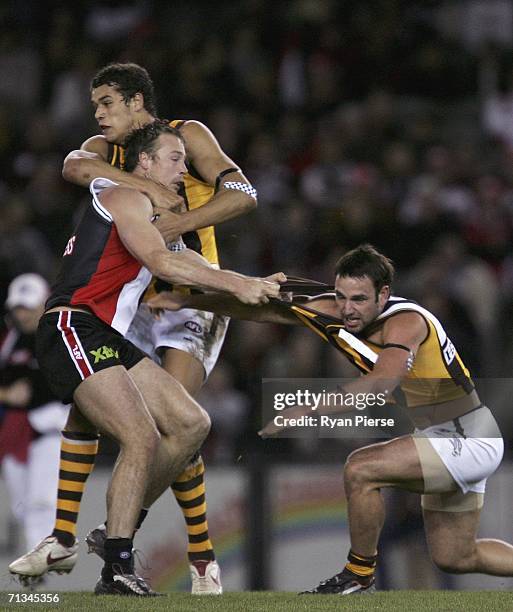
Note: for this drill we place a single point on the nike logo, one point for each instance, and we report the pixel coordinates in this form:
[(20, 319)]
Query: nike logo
[(51, 560)]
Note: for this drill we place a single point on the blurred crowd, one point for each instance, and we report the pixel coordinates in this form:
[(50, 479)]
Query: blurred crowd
[(388, 121)]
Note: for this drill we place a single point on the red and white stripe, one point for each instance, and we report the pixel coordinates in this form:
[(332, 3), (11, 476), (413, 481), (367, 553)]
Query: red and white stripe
[(73, 344)]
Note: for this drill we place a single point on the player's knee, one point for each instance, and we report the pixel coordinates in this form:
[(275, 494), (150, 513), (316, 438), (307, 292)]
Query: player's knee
[(357, 472), (198, 425)]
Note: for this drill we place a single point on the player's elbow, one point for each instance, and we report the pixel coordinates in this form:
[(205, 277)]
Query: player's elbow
[(71, 169)]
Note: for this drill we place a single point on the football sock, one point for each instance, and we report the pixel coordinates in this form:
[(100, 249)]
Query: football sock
[(189, 490), (360, 565), (78, 452)]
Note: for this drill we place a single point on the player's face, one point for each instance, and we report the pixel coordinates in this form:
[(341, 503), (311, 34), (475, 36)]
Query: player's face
[(357, 303), (167, 165), (115, 117)]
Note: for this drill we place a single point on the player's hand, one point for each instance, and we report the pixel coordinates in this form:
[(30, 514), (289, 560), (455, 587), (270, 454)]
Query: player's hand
[(169, 224), (164, 198), (18, 394), (167, 300), (277, 277), (257, 291)]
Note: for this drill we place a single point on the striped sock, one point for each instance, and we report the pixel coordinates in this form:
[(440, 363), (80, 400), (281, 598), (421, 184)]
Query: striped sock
[(189, 490), (360, 565), (78, 452)]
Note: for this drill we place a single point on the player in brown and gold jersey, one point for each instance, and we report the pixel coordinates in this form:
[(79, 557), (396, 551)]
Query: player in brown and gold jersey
[(187, 344), (404, 354)]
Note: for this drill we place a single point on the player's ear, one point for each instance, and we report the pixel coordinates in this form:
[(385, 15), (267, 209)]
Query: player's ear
[(383, 295), (144, 160), (137, 102)]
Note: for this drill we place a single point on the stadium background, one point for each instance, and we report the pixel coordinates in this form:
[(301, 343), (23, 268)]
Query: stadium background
[(386, 121)]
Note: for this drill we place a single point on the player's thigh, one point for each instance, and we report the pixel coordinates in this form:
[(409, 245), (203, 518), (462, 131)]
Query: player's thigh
[(185, 368), (451, 535), (392, 463), (112, 402), (172, 407)]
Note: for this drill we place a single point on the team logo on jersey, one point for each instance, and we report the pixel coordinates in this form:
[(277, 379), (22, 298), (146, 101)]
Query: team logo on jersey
[(104, 352), (193, 327)]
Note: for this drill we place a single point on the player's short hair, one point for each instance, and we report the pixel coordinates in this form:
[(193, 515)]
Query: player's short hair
[(144, 140), (128, 79), (363, 261)]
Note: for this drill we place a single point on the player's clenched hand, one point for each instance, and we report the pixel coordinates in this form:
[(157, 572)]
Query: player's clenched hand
[(162, 197), (168, 223), (256, 291), (166, 300), (277, 277)]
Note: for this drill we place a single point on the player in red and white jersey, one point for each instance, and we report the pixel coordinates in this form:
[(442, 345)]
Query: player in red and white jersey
[(116, 387), (97, 271)]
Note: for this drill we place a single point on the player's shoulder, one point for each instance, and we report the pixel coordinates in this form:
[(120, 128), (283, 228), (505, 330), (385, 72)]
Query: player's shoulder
[(117, 196), (96, 144)]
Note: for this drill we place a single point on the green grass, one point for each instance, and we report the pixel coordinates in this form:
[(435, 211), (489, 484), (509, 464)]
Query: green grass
[(432, 601)]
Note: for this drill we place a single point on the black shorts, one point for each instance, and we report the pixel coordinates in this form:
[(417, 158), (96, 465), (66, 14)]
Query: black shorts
[(71, 346)]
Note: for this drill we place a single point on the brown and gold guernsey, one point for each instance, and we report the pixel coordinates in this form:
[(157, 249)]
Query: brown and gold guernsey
[(196, 192), (437, 374)]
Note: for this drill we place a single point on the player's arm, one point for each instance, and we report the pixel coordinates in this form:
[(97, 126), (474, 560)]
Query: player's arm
[(90, 162), (222, 304), (234, 194), (402, 336), (187, 268)]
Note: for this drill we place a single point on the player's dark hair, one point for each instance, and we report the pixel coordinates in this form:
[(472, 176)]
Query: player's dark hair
[(363, 261), (145, 140), (128, 79)]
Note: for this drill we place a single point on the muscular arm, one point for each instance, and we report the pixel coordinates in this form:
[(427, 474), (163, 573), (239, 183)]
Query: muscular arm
[(207, 157), (145, 243), (223, 304), (407, 329), (90, 162)]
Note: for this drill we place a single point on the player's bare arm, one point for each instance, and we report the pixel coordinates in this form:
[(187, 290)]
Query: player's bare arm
[(234, 195), (145, 243), (90, 161), (402, 336), (223, 304)]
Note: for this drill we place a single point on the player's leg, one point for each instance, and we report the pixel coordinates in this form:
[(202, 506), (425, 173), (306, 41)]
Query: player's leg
[(189, 488), (124, 417), (453, 543), (183, 424), (78, 450), (367, 471)]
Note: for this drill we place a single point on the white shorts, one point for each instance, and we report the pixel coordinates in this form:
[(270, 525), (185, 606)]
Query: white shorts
[(472, 456), (199, 333)]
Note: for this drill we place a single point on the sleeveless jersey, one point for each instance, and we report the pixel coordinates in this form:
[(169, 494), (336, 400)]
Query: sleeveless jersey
[(97, 271), (438, 374), (195, 192)]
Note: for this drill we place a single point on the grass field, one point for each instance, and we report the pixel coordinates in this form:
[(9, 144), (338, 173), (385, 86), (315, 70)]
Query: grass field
[(432, 601)]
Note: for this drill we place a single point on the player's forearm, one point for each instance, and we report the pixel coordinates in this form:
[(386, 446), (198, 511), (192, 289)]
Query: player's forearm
[(82, 170), (222, 304), (179, 269), (226, 204)]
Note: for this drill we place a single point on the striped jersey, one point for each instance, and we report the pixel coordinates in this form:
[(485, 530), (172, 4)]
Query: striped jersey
[(97, 271), (437, 375)]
